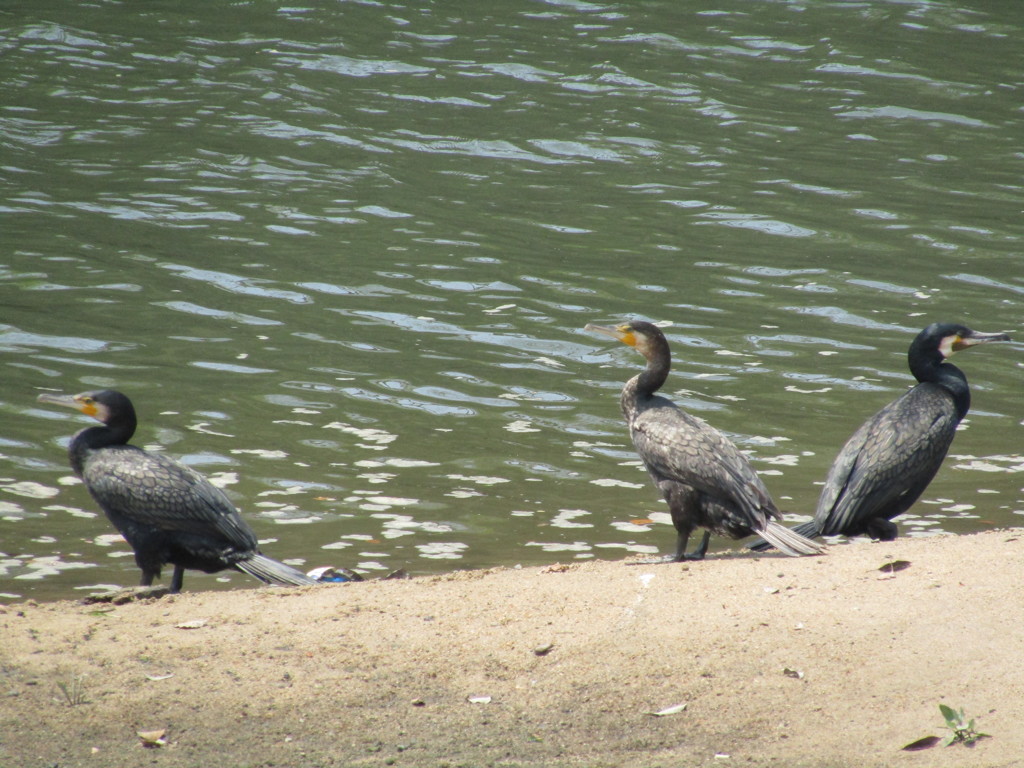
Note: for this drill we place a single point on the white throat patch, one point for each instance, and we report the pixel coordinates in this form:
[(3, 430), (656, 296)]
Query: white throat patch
[(946, 347)]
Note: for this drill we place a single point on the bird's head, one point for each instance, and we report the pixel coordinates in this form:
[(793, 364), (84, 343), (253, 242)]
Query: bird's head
[(104, 405), (947, 338), (643, 336)]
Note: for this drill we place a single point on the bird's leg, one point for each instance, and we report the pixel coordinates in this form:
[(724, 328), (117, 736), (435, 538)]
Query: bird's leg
[(677, 557), (881, 529), (682, 537), (698, 553), (127, 594), (681, 555), (177, 579)]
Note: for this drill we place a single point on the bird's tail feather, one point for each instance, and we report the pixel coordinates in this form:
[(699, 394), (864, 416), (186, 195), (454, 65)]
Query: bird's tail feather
[(807, 530), (271, 571), (790, 541)]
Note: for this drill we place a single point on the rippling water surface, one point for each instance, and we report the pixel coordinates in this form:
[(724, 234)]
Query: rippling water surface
[(340, 255)]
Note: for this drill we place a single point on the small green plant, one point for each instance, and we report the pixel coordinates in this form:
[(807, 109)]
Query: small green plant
[(961, 730), (73, 690)]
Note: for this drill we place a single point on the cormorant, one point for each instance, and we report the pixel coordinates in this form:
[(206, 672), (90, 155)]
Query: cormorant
[(887, 463), (166, 511), (703, 476)]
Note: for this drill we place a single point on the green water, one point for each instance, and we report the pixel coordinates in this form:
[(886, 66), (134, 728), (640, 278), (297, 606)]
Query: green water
[(340, 256)]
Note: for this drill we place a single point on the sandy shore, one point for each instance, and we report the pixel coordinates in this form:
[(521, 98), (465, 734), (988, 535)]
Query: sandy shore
[(824, 661)]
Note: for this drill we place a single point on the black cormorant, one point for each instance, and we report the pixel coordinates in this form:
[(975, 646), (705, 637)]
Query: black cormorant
[(703, 476), (166, 511), (887, 463)]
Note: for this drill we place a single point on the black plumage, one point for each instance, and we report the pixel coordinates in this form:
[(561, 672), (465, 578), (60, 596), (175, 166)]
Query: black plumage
[(705, 479), (166, 511), (888, 462)]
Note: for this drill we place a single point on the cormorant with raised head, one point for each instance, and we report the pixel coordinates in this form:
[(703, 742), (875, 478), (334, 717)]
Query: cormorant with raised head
[(887, 463), (166, 511), (703, 476)]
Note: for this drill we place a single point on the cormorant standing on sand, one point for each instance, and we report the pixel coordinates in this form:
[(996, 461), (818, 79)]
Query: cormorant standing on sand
[(166, 511), (703, 476), (887, 463)]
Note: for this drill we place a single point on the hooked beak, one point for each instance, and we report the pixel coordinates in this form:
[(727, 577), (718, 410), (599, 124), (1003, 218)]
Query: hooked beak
[(68, 401), (975, 338), (622, 333)]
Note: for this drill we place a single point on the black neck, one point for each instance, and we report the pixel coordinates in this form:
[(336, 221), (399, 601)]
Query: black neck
[(659, 361), (93, 438), (934, 370)]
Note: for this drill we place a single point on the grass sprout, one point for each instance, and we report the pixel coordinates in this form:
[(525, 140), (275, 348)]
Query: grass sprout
[(73, 690)]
